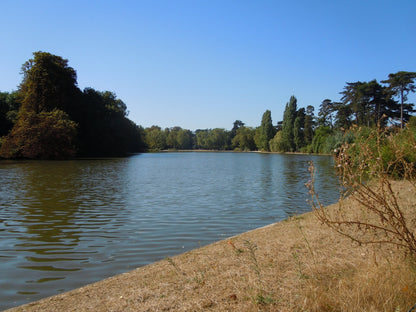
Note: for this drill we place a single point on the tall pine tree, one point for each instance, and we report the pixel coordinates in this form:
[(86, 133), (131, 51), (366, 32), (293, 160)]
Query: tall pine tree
[(400, 84)]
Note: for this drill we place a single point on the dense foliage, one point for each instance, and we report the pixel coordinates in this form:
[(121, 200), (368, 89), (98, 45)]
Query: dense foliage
[(50, 117)]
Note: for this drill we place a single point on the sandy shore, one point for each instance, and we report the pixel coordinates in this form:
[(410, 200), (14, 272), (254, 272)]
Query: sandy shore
[(294, 265)]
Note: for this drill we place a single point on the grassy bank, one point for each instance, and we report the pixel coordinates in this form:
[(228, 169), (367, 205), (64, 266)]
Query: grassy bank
[(294, 265)]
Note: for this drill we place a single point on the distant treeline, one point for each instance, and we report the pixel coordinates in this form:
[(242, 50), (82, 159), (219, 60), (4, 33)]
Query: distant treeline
[(49, 117), (365, 104)]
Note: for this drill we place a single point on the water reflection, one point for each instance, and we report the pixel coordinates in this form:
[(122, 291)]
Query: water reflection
[(65, 224), (48, 214)]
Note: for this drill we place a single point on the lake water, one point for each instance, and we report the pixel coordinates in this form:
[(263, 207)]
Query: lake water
[(64, 224)]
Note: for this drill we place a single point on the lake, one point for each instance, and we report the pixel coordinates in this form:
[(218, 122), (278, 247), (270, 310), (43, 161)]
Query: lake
[(64, 224)]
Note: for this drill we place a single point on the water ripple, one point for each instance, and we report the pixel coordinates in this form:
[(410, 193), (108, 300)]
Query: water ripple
[(68, 223)]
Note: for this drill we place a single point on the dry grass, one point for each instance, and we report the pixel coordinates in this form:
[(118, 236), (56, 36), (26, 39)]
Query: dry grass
[(294, 265)]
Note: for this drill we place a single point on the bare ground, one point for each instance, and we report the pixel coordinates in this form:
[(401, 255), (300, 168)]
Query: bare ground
[(294, 265)]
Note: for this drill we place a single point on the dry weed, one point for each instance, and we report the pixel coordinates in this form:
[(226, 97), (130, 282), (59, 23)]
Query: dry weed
[(366, 176)]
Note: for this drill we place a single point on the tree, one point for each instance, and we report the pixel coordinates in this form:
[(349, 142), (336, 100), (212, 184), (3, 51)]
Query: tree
[(377, 100), (212, 139), (218, 139), (400, 84), (104, 129), (368, 102), (185, 139), (276, 143), (47, 91), (319, 140), (134, 136), (326, 113), (43, 135), (236, 125), (172, 137), (308, 124), (298, 135), (244, 139), (48, 83), (352, 98), (9, 107), (179, 138), (155, 138), (202, 138), (363, 100), (289, 116), (265, 132), (343, 117)]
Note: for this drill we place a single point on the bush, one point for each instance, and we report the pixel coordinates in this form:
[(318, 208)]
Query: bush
[(365, 169), (276, 144), (319, 145)]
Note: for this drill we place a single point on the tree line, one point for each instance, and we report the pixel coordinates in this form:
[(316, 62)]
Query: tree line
[(49, 117), (366, 104)]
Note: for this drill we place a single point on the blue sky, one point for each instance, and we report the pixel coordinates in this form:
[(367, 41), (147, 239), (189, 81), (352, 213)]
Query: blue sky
[(206, 63)]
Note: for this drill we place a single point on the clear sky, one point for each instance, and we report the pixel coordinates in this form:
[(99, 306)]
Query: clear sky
[(206, 63)]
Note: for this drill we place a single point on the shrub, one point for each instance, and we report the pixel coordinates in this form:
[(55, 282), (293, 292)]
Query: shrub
[(365, 170)]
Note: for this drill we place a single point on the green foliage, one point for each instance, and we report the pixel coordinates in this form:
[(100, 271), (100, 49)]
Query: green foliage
[(244, 139), (155, 138), (319, 144), (297, 128), (289, 116), (265, 132), (308, 125), (276, 144), (49, 92), (9, 107), (412, 123), (48, 84), (104, 129), (178, 138), (236, 125), (298, 136), (213, 139), (325, 115), (43, 129), (400, 84), (365, 103), (218, 139), (333, 142), (44, 135), (365, 169), (393, 146), (343, 117), (399, 148), (201, 138), (185, 139)]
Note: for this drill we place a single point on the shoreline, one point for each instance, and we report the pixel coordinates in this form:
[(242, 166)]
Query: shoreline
[(234, 151), (293, 265)]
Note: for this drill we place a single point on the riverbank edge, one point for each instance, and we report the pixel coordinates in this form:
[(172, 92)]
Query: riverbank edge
[(75, 294), (8, 160), (236, 151), (295, 264)]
